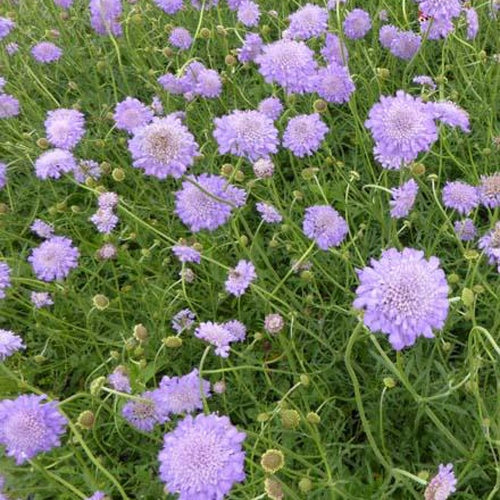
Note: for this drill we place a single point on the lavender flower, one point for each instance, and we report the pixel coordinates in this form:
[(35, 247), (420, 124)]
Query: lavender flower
[(98, 495), (403, 295), (9, 106), (219, 387), (442, 485), (268, 213), (41, 299), (164, 147), (451, 114), (208, 83), (263, 168), (87, 168), (53, 163), (119, 380), (42, 229), (357, 24), (490, 244), (4, 278), (304, 134), (3, 175), (251, 48), (64, 128), (465, 229), (144, 414), (107, 200), (248, 13), (169, 6), (240, 277), (387, 34), (489, 190), (461, 196), (131, 114), (425, 80), (334, 83), (6, 26), (405, 44), (46, 52), (325, 226), (104, 220), (105, 16), (472, 23), (180, 38), (197, 4), (3, 82), (9, 344), (274, 323), (106, 252), (288, 63), (185, 253), (199, 210), (217, 335), (157, 106), (437, 28), (65, 4), (403, 199), (250, 134), (440, 9), (183, 320), (171, 84), (271, 107), (54, 258), (334, 50), (232, 4), (29, 427), (237, 329), (209, 447), (307, 22), (11, 48)]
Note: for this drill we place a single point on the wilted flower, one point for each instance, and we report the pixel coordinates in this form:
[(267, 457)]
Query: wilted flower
[(263, 168), (119, 380), (107, 251), (489, 190), (240, 277), (325, 226), (274, 323), (183, 320), (85, 169)]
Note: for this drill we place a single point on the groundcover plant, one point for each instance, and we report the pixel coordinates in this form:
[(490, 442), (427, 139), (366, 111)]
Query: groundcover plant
[(249, 249)]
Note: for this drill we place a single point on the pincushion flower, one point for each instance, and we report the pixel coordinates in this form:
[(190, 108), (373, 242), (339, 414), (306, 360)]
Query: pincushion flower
[(304, 134), (240, 277), (4, 278), (183, 320), (357, 24), (403, 295), (186, 253), (119, 380), (248, 13), (425, 80), (442, 485), (9, 344), (180, 38), (465, 229), (490, 244), (64, 128), (334, 83), (105, 16), (87, 169), (271, 107), (145, 413), (131, 114), (169, 6), (217, 335), (41, 299), (403, 199), (489, 190), (208, 83), (53, 163), (405, 44), (46, 52), (237, 329), (461, 196), (307, 22), (325, 226), (202, 458), (3, 175), (472, 22), (9, 106), (450, 114), (334, 50), (268, 213), (6, 26), (440, 9), (251, 48)]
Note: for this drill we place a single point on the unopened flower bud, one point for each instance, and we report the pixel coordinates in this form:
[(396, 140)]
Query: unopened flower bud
[(389, 382), (468, 297), (140, 332), (42, 143), (262, 417), (305, 485), (86, 419), (205, 33), (290, 419), (320, 106), (418, 169), (230, 60), (96, 385), (172, 342), (313, 418), (101, 302), (305, 380), (118, 174)]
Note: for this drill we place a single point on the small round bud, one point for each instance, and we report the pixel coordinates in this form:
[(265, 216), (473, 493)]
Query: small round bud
[(486, 151), (313, 418), (290, 419), (230, 60), (263, 168), (86, 419), (100, 302), (205, 33), (167, 52), (307, 275), (101, 65), (118, 174), (389, 382), (172, 342), (272, 461), (136, 19), (441, 79), (423, 475), (320, 106), (305, 380), (105, 168), (114, 354), (140, 332), (418, 169), (468, 297), (274, 323), (39, 359), (73, 85), (433, 177), (226, 170), (243, 240), (447, 346), (138, 351), (453, 278), (239, 176), (273, 488), (483, 56), (61, 207), (265, 29), (89, 182), (383, 73), (42, 143), (221, 30), (298, 195), (309, 173), (262, 417), (96, 385), (478, 289), (219, 387), (305, 485), (471, 254)]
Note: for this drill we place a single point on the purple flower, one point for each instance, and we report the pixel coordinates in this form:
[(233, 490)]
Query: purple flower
[(104, 220), (183, 394), (232, 4), (288, 63), (325, 226), (29, 427), (402, 127), (119, 380), (489, 190), (357, 24), (105, 16), (183, 320), (403, 295), (461, 196), (425, 80), (107, 199), (263, 168), (9, 344), (46, 52), (440, 9), (199, 210), (307, 22), (208, 83), (185, 253), (145, 413), (219, 387), (405, 44), (98, 495), (164, 147), (197, 4), (442, 485), (268, 213), (41, 299), (180, 38), (157, 106), (42, 229), (3, 175), (248, 13), (131, 113), (334, 50), (171, 83), (334, 83), (251, 48), (333, 4), (472, 22), (250, 134), (4, 278), (87, 168), (3, 82), (217, 335), (107, 251), (490, 244), (210, 451), (53, 163), (304, 134), (465, 229), (387, 34), (436, 28), (237, 329), (65, 4), (451, 114), (64, 128), (9, 106), (11, 48), (274, 323), (240, 277), (169, 6), (54, 258), (271, 107), (403, 199), (6, 26)]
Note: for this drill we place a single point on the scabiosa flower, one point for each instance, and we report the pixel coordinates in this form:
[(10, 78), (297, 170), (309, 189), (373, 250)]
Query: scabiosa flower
[(332, 4), (248, 13), (288, 63), (304, 134), (104, 220), (98, 495), (4, 278), (268, 213), (9, 106), (403, 199), (164, 147), (451, 114), (251, 48), (171, 83), (263, 168), (460, 196), (87, 168), (357, 24), (437, 28), (65, 4), (210, 451), (42, 229), (402, 127), (197, 4), (53, 163), (157, 106), (387, 34), (54, 258), (41, 299), (440, 9), (442, 485), (465, 229), (105, 16), (131, 113), (271, 107), (240, 277), (3, 82), (405, 44), (334, 50), (180, 38), (403, 295), (29, 427), (237, 329), (425, 80), (250, 134), (489, 190), (46, 52), (11, 48), (472, 22), (3, 175), (183, 320), (490, 244), (106, 252), (208, 83), (9, 344), (232, 4), (185, 253), (199, 210), (307, 22), (217, 335), (274, 323), (169, 6), (144, 414), (219, 387), (6, 26), (325, 226), (334, 83), (119, 380), (183, 394), (107, 200), (64, 127)]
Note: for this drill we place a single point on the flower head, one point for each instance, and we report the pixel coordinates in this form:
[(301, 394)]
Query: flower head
[(9, 344), (490, 244), (325, 226), (119, 380), (489, 190), (185, 253), (64, 127), (248, 13), (106, 252), (53, 163), (3, 175), (240, 277), (6, 26), (217, 335), (334, 50), (46, 52), (263, 168), (465, 229), (208, 83), (104, 220), (304, 134), (180, 38), (403, 199), (169, 6), (450, 114), (357, 24), (9, 106), (271, 107), (307, 22), (334, 83), (440, 9), (424, 80), (11, 48), (268, 213), (85, 169), (145, 413), (274, 323), (105, 16), (4, 278), (442, 485), (461, 196), (472, 22), (387, 34), (183, 320), (251, 48), (237, 329), (403, 295), (41, 299), (131, 114), (405, 44)]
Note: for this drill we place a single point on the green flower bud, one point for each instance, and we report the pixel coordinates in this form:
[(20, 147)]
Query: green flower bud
[(272, 461)]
